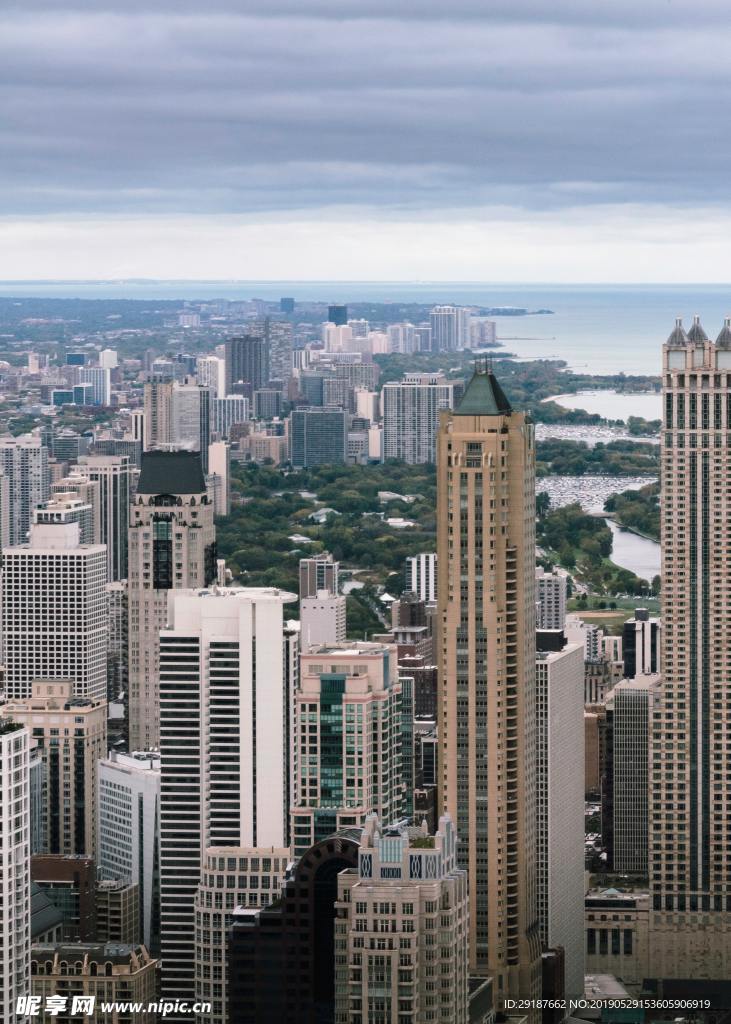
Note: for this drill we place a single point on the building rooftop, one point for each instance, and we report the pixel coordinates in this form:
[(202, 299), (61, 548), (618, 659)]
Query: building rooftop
[(483, 396), (171, 473)]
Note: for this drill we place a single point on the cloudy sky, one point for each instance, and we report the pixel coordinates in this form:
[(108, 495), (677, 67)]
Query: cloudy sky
[(383, 139)]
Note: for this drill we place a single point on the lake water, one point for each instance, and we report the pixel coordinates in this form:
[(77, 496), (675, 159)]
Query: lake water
[(602, 329), (640, 555), (614, 405)]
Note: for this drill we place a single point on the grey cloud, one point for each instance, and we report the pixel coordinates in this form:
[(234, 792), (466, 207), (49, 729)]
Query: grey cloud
[(282, 105)]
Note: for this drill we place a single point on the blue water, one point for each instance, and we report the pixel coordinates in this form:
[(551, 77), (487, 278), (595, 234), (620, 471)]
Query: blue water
[(600, 328)]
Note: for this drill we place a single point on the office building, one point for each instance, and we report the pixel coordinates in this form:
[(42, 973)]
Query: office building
[(318, 437), (560, 804), (486, 662), (114, 475), (225, 727), (550, 599), (629, 710), (641, 644), (24, 463), (171, 546), (690, 875), (421, 576), (618, 935), (352, 740), (318, 573), (70, 733), (158, 412), (106, 973), (54, 612), (337, 314), (401, 924), (264, 942), (268, 404), (14, 865), (226, 411), (322, 618), (129, 831), (117, 911), (411, 410), (117, 640)]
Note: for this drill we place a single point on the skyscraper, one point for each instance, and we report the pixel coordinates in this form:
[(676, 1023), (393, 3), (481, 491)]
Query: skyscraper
[(24, 461), (247, 361), (158, 412), (14, 866), (352, 740), (550, 599), (421, 575), (337, 314), (691, 803), (486, 662), (225, 706), (411, 410), (318, 437), (171, 546), (54, 612), (318, 573), (113, 474), (191, 418), (71, 734), (402, 915)]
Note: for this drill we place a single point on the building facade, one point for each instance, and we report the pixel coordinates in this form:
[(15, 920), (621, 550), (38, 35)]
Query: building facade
[(401, 931), (171, 546), (411, 410), (14, 865), (24, 463), (421, 576), (486, 663)]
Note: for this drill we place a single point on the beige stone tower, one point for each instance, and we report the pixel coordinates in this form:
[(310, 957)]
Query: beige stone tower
[(172, 545), (690, 807), (486, 659)]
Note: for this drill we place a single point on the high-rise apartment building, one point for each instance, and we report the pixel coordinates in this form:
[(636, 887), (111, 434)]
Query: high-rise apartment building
[(411, 410), (401, 931), (560, 805), (24, 462), (219, 477), (225, 728), (323, 618), (71, 734), (318, 573), (14, 866), (690, 813), (421, 575), (550, 599), (128, 823), (210, 373), (226, 411), (158, 412), (100, 379), (486, 662), (67, 508), (352, 740), (54, 612), (171, 546), (318, 437), (450, 328), (113, 474), (247, 361), (85, 490)]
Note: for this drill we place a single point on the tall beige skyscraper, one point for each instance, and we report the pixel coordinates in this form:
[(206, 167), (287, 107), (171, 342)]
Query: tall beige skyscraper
[(690, 810), (486, 660), (171, 546)]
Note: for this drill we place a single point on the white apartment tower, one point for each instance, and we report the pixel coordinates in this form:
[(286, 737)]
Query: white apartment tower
[(411, 410), (401, 929), (322, 618), (24, 462), (14, 866), (171, 547), (225, 724), (690, 813), (128, 824), (550, 599), (421, 575), (54, 612), (560, 806)]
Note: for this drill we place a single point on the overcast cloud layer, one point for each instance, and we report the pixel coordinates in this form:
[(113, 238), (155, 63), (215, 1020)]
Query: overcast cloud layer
[(237, 114)]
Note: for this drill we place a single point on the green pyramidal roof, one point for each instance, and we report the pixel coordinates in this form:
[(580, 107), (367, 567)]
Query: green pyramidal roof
[(483, 397)]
